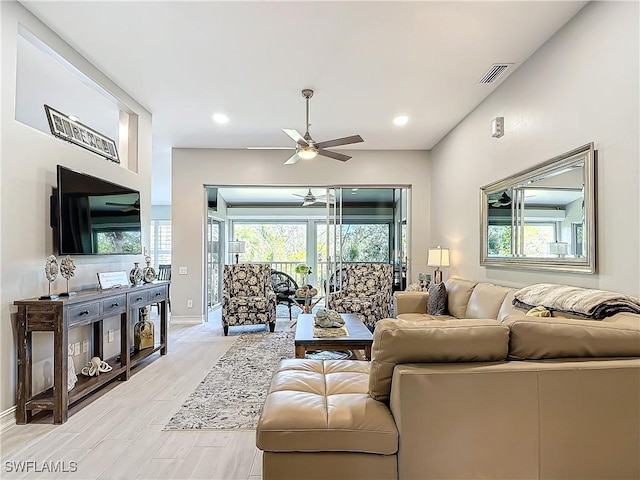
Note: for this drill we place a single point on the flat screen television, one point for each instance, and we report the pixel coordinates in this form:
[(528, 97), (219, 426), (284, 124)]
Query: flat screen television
[(96, 217)]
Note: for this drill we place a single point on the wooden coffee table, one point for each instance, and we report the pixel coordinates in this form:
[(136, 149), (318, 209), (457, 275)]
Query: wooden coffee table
[(359, 338)]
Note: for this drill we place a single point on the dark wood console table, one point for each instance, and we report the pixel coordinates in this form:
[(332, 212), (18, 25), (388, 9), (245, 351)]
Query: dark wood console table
[(89, 307)]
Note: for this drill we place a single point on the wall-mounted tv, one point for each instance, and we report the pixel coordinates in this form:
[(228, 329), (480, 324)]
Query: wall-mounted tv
[(96, 217)]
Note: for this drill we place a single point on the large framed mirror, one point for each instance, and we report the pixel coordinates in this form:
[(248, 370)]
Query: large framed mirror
[(543, 218)]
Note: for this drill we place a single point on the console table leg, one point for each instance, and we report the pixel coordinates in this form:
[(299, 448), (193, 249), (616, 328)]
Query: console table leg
[(24, 367), (60, 372), (163, 327), (125, 347)]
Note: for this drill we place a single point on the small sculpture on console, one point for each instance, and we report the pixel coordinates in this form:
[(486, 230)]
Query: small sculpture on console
[(67, 270), (96, 367), (51, 272)]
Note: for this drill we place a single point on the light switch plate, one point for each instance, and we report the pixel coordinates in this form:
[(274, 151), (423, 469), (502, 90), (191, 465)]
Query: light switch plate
[(76, 349), (85, 346), (183, 270), (111, 336)]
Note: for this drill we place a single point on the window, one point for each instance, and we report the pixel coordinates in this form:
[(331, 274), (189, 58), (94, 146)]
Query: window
[(282, 245), (160, 242), (537, 237)]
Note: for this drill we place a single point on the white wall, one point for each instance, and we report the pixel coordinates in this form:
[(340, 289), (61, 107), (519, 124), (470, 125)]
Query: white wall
[(581, 86), (193, 168), (28, 166)]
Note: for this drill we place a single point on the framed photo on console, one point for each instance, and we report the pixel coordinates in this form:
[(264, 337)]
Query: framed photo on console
[(75, 132)]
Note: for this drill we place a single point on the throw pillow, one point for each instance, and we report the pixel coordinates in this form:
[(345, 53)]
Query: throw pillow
[(437, 303)]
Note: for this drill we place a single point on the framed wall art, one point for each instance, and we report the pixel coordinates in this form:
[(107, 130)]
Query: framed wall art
[(75, 132)]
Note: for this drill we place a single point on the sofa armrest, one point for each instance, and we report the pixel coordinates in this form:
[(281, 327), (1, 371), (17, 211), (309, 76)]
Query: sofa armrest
[(411, 302)]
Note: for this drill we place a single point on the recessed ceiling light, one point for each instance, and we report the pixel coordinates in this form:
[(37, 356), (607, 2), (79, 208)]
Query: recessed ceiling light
[(401, 120), (220, 118)]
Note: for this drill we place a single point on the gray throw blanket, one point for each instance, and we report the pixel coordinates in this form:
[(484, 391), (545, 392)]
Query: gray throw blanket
[(584, 302)]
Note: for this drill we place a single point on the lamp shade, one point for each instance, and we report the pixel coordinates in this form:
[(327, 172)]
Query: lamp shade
[(558, 248), (438, 257), (236, 247)]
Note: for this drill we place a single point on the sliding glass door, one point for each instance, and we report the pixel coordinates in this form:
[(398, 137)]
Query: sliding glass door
[(215, 242)]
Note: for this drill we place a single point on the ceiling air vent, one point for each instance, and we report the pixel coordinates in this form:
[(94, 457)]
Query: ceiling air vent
[(494, 72)]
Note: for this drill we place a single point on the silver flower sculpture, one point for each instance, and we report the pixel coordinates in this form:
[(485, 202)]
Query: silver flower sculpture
[(67, 267), (51, 268)]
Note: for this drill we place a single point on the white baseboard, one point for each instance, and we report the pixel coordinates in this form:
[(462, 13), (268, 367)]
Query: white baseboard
[(7, 419), (180, 319)]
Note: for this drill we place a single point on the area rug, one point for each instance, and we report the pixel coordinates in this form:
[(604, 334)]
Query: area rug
[(233, 392)]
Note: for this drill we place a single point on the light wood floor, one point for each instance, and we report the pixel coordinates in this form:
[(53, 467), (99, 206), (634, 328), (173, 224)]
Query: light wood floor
[(119, 434)]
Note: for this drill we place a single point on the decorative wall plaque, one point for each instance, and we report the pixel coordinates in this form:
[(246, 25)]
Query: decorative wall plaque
[(75, 132)]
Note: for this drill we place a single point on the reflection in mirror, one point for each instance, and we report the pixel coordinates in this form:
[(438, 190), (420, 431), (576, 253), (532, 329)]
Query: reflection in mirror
[(544, 217)]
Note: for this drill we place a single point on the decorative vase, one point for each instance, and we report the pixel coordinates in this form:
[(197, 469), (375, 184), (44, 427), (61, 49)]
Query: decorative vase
[(143, 331), (135, 275), (148, 273)]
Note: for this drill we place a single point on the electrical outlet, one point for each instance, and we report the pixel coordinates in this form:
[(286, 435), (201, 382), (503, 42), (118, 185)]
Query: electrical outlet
[(183, 271), (85, 346), (76, 349), (189, 303), (111, 336)]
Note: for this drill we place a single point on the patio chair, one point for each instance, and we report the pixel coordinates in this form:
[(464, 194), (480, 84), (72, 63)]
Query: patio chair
[(284, 287), (247, 296), (365, 292)]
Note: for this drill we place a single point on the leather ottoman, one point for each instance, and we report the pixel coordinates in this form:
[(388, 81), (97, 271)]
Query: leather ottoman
[(319, 421)]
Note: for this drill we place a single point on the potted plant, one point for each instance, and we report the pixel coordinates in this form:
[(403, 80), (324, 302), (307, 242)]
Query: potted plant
[(304, 271)]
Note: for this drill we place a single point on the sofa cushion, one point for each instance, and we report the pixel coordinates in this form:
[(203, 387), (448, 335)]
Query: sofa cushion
[(508, 308), (437, 302), (485, 301), (323, 406), (458, 292), (397, 341), (537, 338)]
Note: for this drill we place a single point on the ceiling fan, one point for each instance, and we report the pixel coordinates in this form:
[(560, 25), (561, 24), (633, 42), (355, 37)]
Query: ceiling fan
[(128, 207), (307, 148), (503, 201), (310, 198)]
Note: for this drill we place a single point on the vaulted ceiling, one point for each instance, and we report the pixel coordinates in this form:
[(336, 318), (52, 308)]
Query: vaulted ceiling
[(368, 62)]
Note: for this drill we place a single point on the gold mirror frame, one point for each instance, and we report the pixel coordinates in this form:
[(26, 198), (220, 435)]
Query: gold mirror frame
[(585, 262)]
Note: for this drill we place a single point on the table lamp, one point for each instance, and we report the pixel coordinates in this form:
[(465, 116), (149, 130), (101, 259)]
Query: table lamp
[(236, 247), (438, 257), (558, 248)]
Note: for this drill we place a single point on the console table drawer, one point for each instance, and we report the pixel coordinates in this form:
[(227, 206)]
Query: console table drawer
[(115, 305), (138, 298), (83, 313), (158, 294)]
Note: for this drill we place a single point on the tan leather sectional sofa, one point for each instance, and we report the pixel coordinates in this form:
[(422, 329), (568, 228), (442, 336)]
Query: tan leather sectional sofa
[(486, 393)]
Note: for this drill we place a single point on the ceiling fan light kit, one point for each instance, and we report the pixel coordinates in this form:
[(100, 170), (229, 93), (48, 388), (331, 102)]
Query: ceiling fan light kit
[(307, 148)]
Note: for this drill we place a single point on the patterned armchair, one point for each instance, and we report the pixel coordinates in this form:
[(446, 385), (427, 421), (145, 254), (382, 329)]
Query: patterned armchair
[(366, 292), (247, 296)]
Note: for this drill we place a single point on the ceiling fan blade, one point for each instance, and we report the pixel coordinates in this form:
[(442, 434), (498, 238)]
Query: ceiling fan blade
[(270, 148), (334, 155), (306, 203), (295, 135), (292, 159), (340, 141)]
